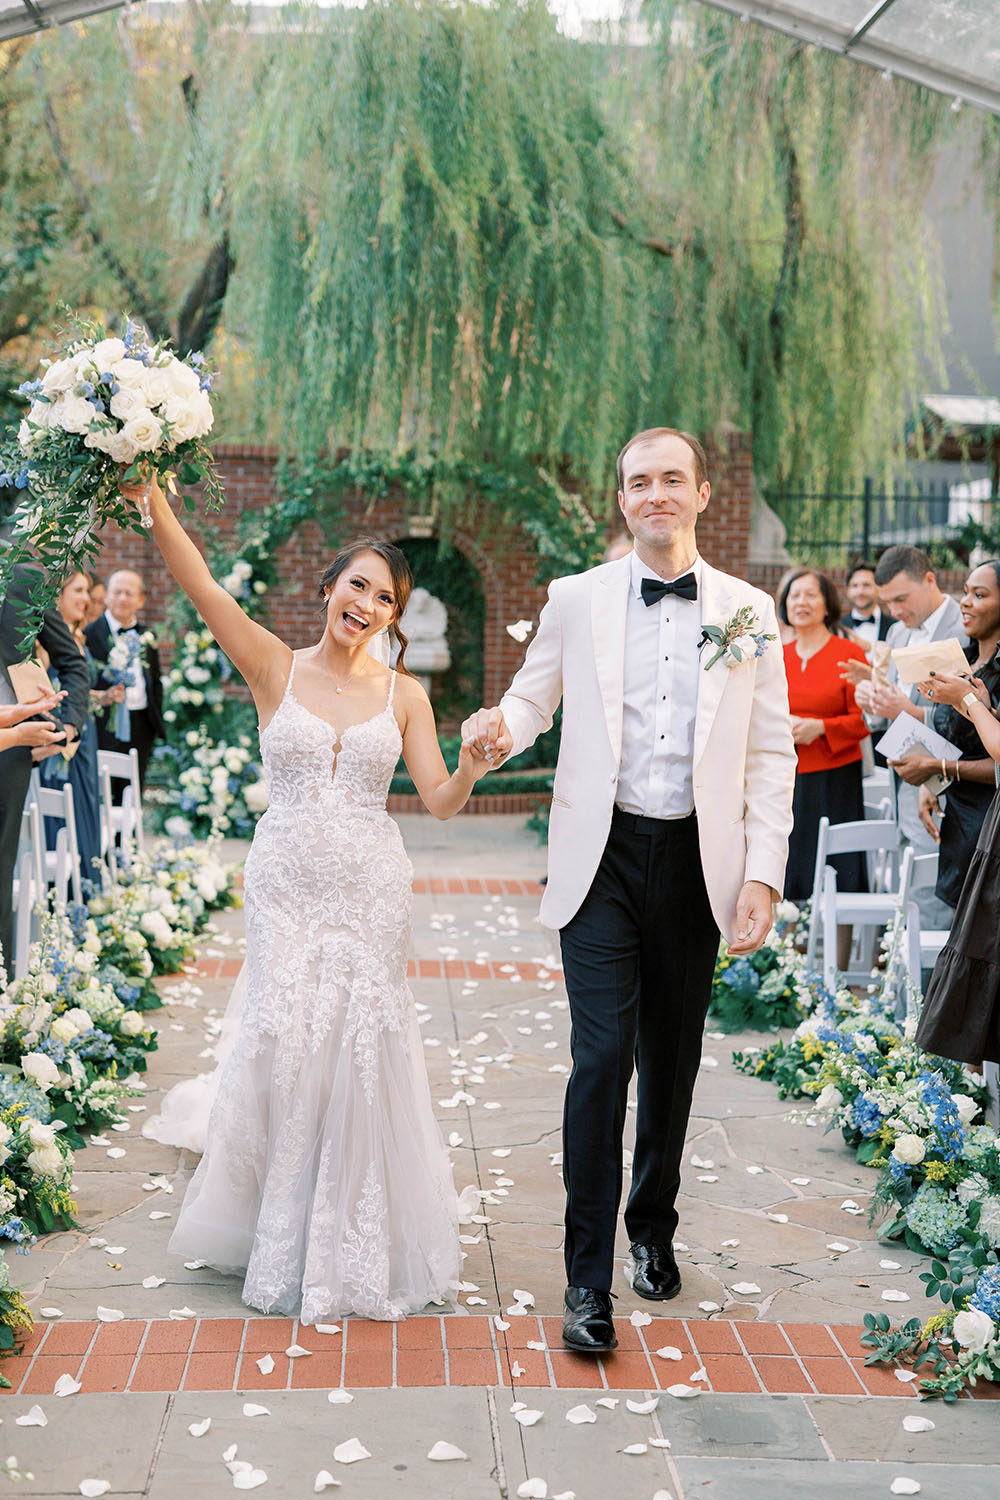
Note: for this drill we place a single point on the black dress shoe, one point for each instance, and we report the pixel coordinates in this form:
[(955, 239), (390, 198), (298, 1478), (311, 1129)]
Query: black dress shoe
[(654, 1272), (588, 1325)]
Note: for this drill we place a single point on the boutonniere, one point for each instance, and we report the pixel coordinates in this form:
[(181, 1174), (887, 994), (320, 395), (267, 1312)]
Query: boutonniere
[(737, 641)]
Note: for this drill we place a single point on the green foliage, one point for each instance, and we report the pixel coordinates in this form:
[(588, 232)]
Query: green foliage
[(758, 992)]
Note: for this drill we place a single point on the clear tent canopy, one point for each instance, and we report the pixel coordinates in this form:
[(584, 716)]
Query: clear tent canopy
[(949, 45)]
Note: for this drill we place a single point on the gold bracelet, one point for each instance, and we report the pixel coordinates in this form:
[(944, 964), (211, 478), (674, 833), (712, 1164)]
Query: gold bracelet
[(944, 768), (958, 770)]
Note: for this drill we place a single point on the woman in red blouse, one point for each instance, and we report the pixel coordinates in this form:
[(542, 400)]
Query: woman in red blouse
[(827, 727)]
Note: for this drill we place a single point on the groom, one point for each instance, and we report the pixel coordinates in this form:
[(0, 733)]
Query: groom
[(671, 809)]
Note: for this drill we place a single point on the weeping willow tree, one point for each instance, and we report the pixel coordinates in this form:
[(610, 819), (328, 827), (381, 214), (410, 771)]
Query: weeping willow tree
[(440, 228)]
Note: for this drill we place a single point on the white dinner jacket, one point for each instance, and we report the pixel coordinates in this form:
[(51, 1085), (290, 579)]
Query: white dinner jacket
[(744, 758)]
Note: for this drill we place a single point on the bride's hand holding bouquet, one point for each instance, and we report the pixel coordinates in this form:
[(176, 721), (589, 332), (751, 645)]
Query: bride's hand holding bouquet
[(107, 411)]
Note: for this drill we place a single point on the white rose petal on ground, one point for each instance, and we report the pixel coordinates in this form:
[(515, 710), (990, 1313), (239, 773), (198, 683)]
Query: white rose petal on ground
[(324, 1481), (659, 1442), (195, 1265), (251, 1409), (533, 1489), (229, 1454), (708, 1307), (500, 1324), (755, 1171), (149, 1282), (905, 1376), (326, 1328), (801, 1181), (642, 1408), (517, 1370), (454, 1139), (115, 1153), (296, 1351), (707, 1177), (699, 1375), (117, 1249), (351, 1452), (730, 1244), (443, 1452), (534, 1344), (893, 1296), (904, 1486), (198, 1429), (663, 1495), (699, 1161), (66, 1386), (93, 1488), (265, 1364), (849, 1204), (609, 1401), (528, 1416), (110, 1314), (888, 1265), (340, 1397), (477, 1301), (33, 1418), (158, 1213), (250, 1480), (501, 1151), (838, 1247), (709, 1062), (745, 1288), (639, 1319), (779, 1218), (51, 1312), (918, 1424), (178, 1314), (579, 1414), (683, 1392), (669, 1351), (636, 1448)]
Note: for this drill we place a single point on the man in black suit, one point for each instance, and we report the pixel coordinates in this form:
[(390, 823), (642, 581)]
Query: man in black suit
[(15, 764), (144, 698), (867, 621)]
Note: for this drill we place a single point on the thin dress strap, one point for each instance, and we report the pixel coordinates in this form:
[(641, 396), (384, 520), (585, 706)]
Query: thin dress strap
[(291, 674), (392, 686)]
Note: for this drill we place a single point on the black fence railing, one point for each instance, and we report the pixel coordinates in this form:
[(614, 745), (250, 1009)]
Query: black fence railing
[(830, 530)]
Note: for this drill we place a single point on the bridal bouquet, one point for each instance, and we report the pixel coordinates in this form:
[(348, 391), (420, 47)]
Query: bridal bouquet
[(106, 410), (123, 666)]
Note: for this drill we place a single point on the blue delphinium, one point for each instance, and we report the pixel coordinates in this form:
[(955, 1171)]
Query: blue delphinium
[(986, 1297), (951, 1132), (866, 1116), (936, 1218)]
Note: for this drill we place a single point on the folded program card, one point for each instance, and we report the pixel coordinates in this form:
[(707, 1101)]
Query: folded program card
[(916, 663)]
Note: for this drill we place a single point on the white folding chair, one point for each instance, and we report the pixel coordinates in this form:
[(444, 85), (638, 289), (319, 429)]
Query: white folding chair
[(123, 822), (872, 909), (931, 940), (28, 888), (62, 864), (876, 837)]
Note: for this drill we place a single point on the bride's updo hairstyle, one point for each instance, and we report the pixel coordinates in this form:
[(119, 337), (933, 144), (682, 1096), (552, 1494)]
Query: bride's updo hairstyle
[(402, 581)]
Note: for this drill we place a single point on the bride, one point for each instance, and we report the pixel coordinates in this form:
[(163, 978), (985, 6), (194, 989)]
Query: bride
[(324, 1178)]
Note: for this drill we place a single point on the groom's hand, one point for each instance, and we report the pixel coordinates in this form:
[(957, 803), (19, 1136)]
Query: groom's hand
[(753, 917), (487, 736)]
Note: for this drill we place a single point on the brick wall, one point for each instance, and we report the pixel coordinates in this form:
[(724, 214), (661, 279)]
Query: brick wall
[(504, 557)]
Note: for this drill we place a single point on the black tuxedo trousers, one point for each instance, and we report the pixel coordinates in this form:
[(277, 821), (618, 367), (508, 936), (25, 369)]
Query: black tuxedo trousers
[(638, 957)]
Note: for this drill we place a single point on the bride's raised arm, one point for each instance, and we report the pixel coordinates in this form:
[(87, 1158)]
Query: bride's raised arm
[(258, 655)]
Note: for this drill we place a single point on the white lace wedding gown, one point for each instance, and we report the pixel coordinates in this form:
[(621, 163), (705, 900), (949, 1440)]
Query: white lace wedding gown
[(324, 1175)]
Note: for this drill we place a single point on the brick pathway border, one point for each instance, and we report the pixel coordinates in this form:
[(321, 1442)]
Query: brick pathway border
[(212, 1354)]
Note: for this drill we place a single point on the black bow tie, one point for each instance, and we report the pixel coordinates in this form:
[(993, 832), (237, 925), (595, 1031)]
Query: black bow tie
[(653, 589), (862, 619)]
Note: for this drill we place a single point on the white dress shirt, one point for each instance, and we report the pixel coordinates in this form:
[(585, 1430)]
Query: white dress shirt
[(660, 699), (867, 630), (921, 635), (135, 692)]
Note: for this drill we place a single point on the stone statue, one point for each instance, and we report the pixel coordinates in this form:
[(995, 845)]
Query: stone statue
[(425, 623)]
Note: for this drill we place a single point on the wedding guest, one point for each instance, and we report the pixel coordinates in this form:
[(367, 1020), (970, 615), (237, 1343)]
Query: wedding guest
[(827, 727), (97, 599), (20, 724), (81, 770), (972, 786), (15, 762), (669, 824), (866, 622), (909, 590), (960, 1017), (144, 694)]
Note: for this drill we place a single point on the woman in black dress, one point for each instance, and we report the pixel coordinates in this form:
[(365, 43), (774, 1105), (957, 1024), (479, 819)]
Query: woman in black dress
[(973, 776), (960, 1018)]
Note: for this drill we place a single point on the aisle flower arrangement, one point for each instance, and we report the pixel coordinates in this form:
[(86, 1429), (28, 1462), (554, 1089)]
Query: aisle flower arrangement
[(73, 1039), (14, 1317), (767, 989)]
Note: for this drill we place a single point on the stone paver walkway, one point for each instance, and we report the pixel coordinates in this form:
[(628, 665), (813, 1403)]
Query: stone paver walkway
[(778, 1258)]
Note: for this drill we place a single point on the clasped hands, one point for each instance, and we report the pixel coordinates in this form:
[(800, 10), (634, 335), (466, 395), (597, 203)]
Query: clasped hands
[(19, 725)]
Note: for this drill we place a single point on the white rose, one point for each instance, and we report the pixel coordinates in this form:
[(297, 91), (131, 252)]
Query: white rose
[(83, 961), (189, 416), (973, 1329), (255, 795), (46, 1161), (121, 448), (59, 377), (80, 1019), (62, 1030), (40, 1069), (130, 1023), (909, 1149), (129, 371), (39, 1134), (967, 1108), (40, 414), (145, 431), (106, 354), (745, 645), (128, 402), (74, 414)]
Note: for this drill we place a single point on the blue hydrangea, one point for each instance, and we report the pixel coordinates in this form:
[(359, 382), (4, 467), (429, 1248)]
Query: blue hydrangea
[(866, 1116), (986, 1296), (936, 1218)]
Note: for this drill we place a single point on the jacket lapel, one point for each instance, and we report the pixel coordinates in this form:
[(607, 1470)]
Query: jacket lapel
[(608, 610), (718, 603)]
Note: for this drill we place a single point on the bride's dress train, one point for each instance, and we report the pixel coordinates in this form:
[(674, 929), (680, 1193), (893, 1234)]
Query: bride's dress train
[(324, 1176)]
